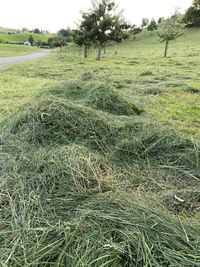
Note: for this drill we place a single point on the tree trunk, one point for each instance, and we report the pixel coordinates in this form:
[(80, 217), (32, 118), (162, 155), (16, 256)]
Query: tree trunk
[(166, 48), (99, 52), (104, 49), (115, 49), (85, 52)]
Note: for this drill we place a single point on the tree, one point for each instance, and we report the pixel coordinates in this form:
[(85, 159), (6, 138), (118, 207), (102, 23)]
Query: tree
[(152, 26), (170, 30), (135, 30), (84, 35), (104, 23), (100, 25), (145, 22), (192, 15), (57, 41), (65, 33), (37, 31), (24, 29), (119, 32), (161, 19), (83, 39), (30, 39)]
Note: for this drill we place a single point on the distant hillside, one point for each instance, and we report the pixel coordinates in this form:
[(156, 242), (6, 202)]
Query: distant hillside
[(17, 37), (2, 29)]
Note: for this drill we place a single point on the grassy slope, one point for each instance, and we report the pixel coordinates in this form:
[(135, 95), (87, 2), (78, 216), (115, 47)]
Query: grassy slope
[(8, 50), (3, 29), (19, 37), (8, 43), (90, 197), (173, 76)]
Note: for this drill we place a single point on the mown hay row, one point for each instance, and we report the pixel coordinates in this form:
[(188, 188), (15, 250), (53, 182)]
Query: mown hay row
[(54, 120), (104, 97)]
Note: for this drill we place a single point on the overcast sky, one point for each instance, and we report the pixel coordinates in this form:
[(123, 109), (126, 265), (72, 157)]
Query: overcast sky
[(53, 15)]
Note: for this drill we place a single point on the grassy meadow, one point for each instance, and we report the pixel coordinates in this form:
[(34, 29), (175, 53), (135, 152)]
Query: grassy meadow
[(100, 161), (20, 38), (10, 50)]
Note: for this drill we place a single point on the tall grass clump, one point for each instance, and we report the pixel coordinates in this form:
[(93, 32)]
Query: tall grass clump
[(104, 97)]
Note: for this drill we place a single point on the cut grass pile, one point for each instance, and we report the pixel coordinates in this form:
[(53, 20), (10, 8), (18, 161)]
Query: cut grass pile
[(54, 120), (151, 144), (183, 201), (105, 98), (83, 186), (74, 88), (68, 181), (96, 230)]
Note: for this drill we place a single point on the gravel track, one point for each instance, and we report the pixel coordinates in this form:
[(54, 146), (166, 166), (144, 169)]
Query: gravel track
[(30, 57)]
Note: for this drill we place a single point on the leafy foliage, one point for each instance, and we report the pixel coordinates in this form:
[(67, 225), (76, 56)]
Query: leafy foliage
[(101, 25), (192, 15), (57, 40), (170, 30), (30, 39), (152, 25), (135, 30), (145, 22)]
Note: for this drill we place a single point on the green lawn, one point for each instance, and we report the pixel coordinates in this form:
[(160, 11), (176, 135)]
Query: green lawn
[(100, 160)]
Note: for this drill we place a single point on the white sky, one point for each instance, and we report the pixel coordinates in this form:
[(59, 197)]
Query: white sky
[(53, 15)]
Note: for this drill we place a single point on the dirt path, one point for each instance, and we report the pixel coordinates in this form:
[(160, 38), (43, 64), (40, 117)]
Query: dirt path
[(16, 59)]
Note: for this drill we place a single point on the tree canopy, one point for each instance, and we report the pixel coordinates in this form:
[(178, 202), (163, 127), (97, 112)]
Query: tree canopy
[(101, 24), (169, 30), (192, 15), (152, 26)]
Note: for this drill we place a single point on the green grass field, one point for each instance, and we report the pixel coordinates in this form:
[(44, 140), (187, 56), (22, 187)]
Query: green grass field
[(9, 50), (12, 44), (21, 38), (100, 161)]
